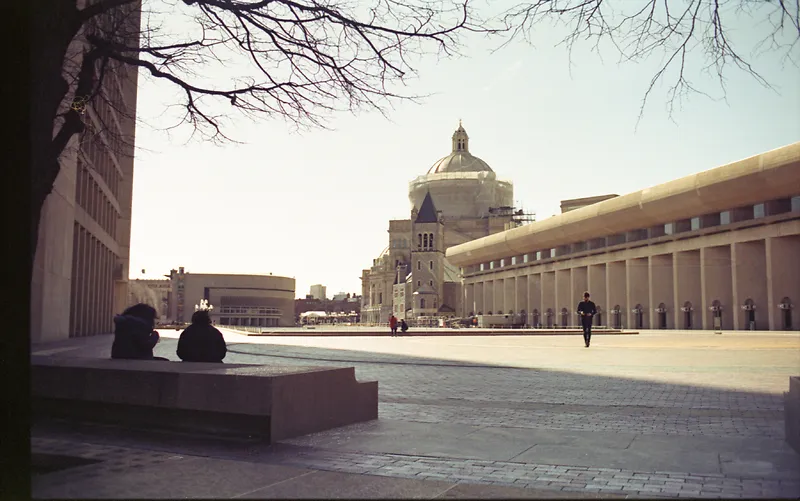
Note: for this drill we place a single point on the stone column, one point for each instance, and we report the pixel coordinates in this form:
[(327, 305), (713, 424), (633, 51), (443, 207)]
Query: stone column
[(616, 285), (469, 298), (716, 284), (662, 290), (479, 286), (783, 280), (637, 291), (535, 295), (510, 295), (596, 285), (488, 297), (686, 277), (563, 293), (521, 295), (749, 261), (548, 295)]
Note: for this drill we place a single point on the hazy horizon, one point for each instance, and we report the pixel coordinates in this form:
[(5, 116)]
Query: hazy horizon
[(316, 205)]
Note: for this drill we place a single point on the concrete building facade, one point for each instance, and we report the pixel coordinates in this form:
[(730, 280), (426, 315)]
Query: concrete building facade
[(458, 200), (237, 300), (80, 271), (715, 250)]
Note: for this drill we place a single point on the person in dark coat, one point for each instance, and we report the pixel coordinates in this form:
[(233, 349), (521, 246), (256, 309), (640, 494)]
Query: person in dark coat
[(403, 325), (134, 337), (201, 341), (587, 310)]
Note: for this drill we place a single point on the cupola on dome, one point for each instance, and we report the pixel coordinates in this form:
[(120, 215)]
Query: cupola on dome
[(460, 159)]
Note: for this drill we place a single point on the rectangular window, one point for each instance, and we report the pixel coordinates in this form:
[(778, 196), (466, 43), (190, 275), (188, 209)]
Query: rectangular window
[(525, 258), (502, 262), (695, 223), (513, 260), (796, 204), (669, 228), (482, 267), (431, 264), (419, 265), (538, 255), (725, 217), (491, 265), (758, 211)]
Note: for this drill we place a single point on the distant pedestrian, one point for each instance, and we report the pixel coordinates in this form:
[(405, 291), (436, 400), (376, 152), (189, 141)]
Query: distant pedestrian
[(393, 325), (403, 326), (587, 310), (201, 341), (134, 334)]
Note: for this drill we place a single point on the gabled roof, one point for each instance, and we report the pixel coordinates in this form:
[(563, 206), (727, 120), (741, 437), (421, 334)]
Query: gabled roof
[(427, 212)]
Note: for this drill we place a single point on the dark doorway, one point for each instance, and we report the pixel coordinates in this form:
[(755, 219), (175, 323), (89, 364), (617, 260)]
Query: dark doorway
[(598, 318), (549, 315), (749, 308), (616, 317), (786, 313), (662, 316), (638, 317), (523, 318), (716, 314), (687, 315), (564, 317), (535, 320)]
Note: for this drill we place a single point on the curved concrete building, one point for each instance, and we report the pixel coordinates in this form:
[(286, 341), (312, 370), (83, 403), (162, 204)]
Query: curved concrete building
[(461, 184), (715, 250)]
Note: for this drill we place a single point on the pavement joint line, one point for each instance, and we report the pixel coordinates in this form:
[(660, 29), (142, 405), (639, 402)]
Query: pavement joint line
[(305, 474)]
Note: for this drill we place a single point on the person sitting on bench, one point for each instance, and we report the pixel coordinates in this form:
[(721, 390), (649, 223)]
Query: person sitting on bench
[(134, 337), (201, 341)]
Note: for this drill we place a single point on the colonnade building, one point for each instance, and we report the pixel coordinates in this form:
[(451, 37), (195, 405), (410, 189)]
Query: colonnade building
[(717, 249)]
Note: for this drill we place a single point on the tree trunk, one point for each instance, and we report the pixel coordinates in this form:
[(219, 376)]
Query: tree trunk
[(55, 24)]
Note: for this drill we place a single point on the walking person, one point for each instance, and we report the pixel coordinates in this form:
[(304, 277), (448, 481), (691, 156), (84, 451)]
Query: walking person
[(587, 310), (393, 325)]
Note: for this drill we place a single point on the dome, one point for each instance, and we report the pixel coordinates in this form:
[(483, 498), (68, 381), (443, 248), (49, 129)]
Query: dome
[(459, 162), (460, 159)]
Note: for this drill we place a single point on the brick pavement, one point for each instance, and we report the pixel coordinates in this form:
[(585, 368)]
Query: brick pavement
[(713, 388)]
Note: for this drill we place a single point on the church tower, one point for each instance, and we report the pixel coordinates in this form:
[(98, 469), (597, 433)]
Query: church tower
[(460, 140), (427, 259)]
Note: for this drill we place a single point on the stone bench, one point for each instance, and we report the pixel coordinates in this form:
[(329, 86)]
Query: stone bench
[(791, 410), (268, 402)]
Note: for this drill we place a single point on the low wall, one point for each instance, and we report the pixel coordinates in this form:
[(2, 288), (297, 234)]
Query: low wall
[(791, 409), (269, 402), (323, 331)]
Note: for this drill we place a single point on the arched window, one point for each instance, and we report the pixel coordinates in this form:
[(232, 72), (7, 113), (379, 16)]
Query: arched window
[(422, 302), (418, 282), (419, 265), (434, 304), (430, 240), (425, 241), (419, 235), (431, 264), (431, 283)]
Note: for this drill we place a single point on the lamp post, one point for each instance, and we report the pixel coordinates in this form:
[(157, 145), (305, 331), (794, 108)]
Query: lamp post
[(204, 306)]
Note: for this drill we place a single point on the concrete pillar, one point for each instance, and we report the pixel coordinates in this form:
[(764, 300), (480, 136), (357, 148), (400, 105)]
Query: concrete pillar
[(479, 286), (469, 299), (510, 295), (548, 297), (522, 294), (579, 284), (749, 261), (637, 292), (563, 296), (616, 285), (686, 277), (716, 285), (662, 291), (488, 297), (535, 298), (596, 285), (783, 281), (499, 293)]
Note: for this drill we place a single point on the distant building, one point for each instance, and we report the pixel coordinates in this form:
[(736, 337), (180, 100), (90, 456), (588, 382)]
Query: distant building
[(237, 300), (459, 199), (347, 306), (714, 250), (341, 296), (319, 291)]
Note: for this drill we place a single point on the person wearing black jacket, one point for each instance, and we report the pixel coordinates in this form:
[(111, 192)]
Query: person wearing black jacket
[(587, 311), (134, 337), (201, 341)]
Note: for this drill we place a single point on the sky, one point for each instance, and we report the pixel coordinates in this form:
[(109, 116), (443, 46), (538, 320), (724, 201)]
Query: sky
[(315, 205)]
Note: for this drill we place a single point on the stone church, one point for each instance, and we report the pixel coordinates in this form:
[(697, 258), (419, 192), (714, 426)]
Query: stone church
[(458, 200)]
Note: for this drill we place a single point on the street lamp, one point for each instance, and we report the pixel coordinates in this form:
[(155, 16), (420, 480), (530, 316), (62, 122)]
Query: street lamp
[(204, 306)]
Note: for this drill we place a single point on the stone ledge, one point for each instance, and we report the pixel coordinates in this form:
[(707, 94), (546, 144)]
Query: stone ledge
[(272, 402)]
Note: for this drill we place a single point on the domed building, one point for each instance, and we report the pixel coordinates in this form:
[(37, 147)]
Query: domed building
[(462, 185), (459, 199)]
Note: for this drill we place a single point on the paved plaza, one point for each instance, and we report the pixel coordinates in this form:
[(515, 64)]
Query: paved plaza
[(658, 414)]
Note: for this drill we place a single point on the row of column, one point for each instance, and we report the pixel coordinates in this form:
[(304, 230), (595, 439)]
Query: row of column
[(737, 286), (92, 294)]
